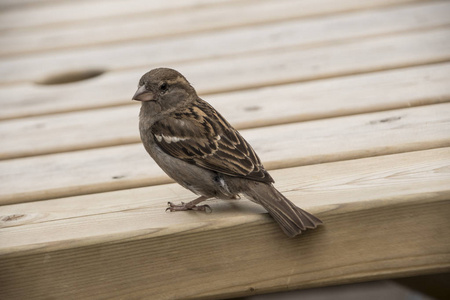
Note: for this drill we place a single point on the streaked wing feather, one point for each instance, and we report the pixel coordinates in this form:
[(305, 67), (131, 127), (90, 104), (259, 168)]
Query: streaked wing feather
[(201, 136)]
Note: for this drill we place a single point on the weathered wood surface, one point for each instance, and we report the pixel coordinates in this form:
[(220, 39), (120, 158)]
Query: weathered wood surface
[(164, 20), (346, 103), (279, 146), (412, 174), (244, 109), (47, 13), (238, 72), (297, 32), (107, 240)]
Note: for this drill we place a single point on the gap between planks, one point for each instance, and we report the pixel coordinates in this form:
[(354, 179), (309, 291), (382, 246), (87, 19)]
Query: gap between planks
[(208, 19), (238, 73), (60, 13), (246, 43), (128, 166), (46, 17), (273, 105), (367, 235), (74, 220)]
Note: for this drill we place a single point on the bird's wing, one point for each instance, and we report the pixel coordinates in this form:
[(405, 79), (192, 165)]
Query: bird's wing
[(201, 136)]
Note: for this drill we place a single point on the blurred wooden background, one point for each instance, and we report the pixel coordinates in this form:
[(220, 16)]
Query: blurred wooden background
[(346, 103)]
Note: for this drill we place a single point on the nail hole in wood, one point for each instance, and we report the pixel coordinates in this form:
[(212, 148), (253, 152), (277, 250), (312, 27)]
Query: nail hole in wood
[(70, 76), (252, 108)]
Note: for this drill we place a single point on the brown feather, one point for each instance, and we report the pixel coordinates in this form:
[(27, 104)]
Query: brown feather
[(292, 219), (204, 138)]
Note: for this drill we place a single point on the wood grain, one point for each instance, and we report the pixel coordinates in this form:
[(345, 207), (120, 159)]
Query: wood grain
[(117, 33), (28, 226), (244, 109), (346, 102), (60, 12), (71, 14), (280, 146), (271, 37), (64, 250), (237, 73)]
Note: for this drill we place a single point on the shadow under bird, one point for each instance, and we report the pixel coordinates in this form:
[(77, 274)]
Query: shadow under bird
[(201, 151)]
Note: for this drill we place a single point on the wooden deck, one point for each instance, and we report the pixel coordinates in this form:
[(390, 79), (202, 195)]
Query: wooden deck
[(346, 103)]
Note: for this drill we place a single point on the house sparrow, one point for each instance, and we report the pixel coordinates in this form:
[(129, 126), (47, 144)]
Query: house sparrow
[(200, 150)]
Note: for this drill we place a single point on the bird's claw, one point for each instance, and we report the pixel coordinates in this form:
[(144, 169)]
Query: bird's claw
[(185, 206)]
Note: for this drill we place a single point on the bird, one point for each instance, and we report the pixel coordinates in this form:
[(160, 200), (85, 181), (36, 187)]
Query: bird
[(197, 147)]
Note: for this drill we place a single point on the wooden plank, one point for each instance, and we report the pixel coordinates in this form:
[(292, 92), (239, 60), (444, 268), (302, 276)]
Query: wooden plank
[(8, 4), (65, 13), (40, 66), (337, 183), (213, 17), (244, 109), (73, 247), (128, 166), (60, 12), (231, 73)]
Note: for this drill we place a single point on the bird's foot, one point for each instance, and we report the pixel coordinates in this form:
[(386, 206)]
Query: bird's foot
[(188, 206)]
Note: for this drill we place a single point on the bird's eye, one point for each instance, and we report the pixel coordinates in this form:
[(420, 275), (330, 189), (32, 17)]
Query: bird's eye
[(163, 87)]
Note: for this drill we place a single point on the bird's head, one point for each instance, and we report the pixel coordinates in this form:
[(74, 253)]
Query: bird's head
[(167, 88)]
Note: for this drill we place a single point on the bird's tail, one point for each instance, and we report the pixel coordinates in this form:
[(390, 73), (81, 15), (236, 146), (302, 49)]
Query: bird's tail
[(292, 219)]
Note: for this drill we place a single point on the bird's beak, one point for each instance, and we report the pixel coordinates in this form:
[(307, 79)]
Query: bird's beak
[(143, 95)]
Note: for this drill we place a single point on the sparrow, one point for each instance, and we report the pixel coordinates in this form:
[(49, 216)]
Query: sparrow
[(201, 151)]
